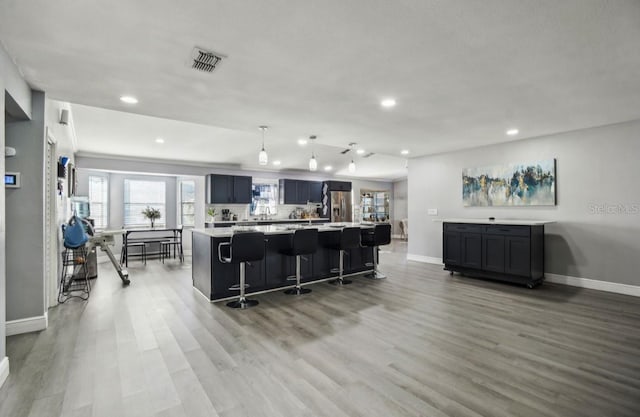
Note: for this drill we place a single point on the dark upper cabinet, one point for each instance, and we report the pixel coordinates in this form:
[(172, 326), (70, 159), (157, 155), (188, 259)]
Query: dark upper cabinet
[(217, 189), (241, 189), (227, 189), (288, 191), (303, 192), (315, 191), (339, 185), (300, 191)]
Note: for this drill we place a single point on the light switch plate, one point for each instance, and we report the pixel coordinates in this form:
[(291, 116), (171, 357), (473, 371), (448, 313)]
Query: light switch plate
[(432, 212)]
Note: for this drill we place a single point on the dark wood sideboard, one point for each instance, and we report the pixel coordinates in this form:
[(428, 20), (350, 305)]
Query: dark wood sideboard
[(506, 252)]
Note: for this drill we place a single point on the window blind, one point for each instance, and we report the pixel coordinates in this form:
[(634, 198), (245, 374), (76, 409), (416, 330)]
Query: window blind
[(140, 194), (187, 192), (99, 201)]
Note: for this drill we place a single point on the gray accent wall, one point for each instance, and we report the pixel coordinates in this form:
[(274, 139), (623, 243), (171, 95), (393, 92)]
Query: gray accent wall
[(597, 234), (25, 215), (16, 92), (3, 297)]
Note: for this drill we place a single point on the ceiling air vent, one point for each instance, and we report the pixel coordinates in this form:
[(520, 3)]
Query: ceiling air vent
[(205, 61)]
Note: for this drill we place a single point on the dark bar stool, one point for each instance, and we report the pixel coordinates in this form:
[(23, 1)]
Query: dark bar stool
[(376, 237), (301, 242), (242, 248), (349, 239)]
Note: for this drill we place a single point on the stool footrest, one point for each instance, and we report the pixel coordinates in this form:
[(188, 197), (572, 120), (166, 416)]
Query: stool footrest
[(236, 287)]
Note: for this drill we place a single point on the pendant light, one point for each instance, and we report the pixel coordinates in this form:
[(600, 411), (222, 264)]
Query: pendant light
[(352, 165), (313, 164), (263, 158)]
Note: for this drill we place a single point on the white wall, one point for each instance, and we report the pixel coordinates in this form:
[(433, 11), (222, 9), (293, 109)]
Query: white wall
[(595, 167), (18, 91), (400, 203)]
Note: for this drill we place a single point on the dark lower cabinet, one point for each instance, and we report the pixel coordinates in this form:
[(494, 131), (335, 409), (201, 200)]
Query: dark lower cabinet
[(512, 253), (493, 255), (517, 256), (471, 249), (452, 248)]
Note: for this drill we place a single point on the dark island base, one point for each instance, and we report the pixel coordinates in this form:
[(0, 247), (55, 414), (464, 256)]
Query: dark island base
[(213, 278), (495, 276)]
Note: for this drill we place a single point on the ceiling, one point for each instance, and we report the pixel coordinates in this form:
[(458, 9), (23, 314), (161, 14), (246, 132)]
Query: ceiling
[(462, 72)]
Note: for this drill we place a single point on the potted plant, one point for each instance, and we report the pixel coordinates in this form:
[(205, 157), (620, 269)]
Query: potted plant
[(211, 212), (151, 214)]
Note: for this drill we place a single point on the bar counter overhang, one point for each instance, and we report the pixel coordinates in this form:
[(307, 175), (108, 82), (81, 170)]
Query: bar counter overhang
[(214, 278)]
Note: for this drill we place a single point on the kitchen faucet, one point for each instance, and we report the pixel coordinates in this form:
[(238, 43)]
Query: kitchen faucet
[(265, 213)]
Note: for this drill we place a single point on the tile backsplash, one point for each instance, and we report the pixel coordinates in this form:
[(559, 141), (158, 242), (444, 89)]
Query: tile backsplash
[(242, 211)]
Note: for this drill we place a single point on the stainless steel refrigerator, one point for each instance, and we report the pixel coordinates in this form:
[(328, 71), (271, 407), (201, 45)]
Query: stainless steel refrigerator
[(337, 203), (341, 206)]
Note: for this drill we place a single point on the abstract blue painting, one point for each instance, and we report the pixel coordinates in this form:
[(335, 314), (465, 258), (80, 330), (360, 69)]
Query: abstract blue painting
[(528, 184)]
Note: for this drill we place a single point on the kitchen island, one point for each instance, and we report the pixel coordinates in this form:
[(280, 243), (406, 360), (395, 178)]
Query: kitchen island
[(214, 278)]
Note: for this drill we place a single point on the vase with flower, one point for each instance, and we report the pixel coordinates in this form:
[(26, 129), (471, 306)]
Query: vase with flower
[(152, 214)]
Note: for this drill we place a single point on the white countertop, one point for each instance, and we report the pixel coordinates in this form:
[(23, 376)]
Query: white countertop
[(276, 229), (513, 222), (313, 219)]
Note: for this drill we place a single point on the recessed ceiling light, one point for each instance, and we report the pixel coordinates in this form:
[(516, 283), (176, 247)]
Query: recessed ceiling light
[(328, 168), (159, 140), (276, 163), (302, 141), (129, 99), (404, 152), (388, 103), (360, 151), (512, 132)]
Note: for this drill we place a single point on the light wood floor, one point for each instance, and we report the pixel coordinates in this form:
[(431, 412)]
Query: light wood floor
[(420, 343)]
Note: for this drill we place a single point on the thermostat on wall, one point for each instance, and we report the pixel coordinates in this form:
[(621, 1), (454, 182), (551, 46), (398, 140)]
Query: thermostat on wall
[(12, 180)]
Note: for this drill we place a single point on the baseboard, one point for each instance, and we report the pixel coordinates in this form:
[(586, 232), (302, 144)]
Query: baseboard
[(425, 259), (28, 325), (593, 284), (4, 370)]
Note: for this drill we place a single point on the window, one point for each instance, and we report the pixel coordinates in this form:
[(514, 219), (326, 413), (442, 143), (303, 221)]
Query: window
[(187, 209), (138, 194), (264, 199), (99, 201)]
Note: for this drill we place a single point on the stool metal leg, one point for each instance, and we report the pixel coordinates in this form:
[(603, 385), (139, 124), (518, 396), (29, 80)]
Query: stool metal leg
[(340, 280), (376, 274), (242, 302), (298, 290)]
